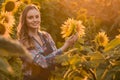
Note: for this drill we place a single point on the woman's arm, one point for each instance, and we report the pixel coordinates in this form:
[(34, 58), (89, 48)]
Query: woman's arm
[(68, 43)]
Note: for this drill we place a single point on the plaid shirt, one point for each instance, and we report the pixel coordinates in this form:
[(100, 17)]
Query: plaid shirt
[(44, 54)]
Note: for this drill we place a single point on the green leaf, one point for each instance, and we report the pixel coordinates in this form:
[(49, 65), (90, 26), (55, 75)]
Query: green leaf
[(5, 66), (77, 78), (115, 63), (65, 63), (96, 58), (74, 59), (12, 48), (115, 42)]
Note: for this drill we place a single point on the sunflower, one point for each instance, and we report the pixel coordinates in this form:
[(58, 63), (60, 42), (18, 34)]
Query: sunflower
[(72, 26), (9, 5), (101, 39), (80, 29), (2, 29), (67, 28), (7, 18)]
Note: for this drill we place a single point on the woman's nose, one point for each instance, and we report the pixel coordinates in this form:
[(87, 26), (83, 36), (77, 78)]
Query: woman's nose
[(35, 19)]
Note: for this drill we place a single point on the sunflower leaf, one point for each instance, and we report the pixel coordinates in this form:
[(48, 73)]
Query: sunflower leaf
[(112, 44)]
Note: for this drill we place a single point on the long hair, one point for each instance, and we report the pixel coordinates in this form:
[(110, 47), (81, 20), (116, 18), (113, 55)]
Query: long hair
[(23, 36)]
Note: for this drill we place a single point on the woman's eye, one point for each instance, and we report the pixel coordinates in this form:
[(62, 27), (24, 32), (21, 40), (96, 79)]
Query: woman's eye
[(37, 16), (30, 17)]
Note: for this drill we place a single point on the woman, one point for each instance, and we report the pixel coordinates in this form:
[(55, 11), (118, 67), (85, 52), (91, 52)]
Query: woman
[(40, 45)]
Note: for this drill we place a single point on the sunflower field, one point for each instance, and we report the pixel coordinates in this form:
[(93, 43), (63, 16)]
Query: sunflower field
[(94, 56)]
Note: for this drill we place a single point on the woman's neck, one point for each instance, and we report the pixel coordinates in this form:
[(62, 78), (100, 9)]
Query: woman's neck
[(33, 32)]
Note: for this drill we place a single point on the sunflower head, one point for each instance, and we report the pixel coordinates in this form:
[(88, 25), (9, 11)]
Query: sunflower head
[(72, 26), (7, 18), (101, 39), (68, 28), (80, 29), (9, 5), (2, 29)]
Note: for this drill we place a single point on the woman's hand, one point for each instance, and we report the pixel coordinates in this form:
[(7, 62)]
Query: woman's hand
[(69, 42)]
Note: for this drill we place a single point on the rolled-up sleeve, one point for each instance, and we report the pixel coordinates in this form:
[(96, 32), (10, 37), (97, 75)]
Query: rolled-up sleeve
[(50, 58)]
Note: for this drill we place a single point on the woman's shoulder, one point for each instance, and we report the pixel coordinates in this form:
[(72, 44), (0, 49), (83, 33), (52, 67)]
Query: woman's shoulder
[(44, 33)]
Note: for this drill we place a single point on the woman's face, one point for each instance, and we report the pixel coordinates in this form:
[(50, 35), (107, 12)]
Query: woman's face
[(33, 19)]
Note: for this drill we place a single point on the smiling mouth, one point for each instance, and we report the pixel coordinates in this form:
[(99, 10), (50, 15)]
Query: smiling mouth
[(35, 24)]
